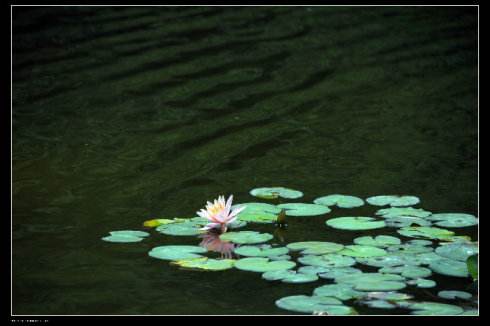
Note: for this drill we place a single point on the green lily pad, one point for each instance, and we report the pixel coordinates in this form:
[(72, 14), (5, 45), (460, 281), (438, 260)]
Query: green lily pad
[(373, 281), (453, 220), (275, 192), (124, 236), (389, 296), (362, 251), (434, 308), (379, 241), (452, 295), (314, 270), (403, 211), (262, 265), (342, 201), (328, 260), (157, 222), (246, 237), (449, 267), (388, 260), (408, 248), (457, 250), (177, 252), (314, 304), (340, 291), (393, 200), (257, 217), (180, 229), (315, 247), (470, 312), (289, 276), (422, 283), (355, 223), (332, 273), (302, 209), (404, 221), (381, 304), (205, 263), (254, 207), (263, 251), (408, 271), (426, 232)]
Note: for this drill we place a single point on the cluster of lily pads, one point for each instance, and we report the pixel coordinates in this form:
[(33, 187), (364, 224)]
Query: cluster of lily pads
[(400, 263)]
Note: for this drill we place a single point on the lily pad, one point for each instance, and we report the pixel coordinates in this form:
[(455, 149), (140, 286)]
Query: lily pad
[(381, 304), (289, 276), (340, 291), (393, 200), (246, 237), (472, 265), (315, 247), (379, 241), (388, 260), (262, 265), (457, 251), (180, 229), (453, 220), (315, 270), (434, 308), (342, 201), (125, 236), (373, 281), (362, 251), (426, 232), (408, 271), (404, 221), (157, 222), (257, 217), (205, 263), (176, 252), (422, 283), (389, 296), (254, 207), (450, 267), (263, 251), (302, 209), (314, 304), (408, 248), (332, 273), (355, 223), (329, 260), (403, 211), (275, 192), (452, 295)]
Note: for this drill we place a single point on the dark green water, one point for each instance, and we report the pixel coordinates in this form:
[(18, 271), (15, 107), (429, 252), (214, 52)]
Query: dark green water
[(125, 114)]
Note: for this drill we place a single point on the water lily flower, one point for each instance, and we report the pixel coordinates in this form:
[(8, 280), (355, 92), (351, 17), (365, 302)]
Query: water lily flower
[(219, 213)]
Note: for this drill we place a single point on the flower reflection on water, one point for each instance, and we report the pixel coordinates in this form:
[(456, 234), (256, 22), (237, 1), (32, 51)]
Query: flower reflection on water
[(212, 242)]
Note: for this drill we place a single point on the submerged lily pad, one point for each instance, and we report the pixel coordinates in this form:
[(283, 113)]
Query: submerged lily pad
[(341, 291), (362, 251), (434, 308), (355, 223), (453, 220), (302, 209), (246, 237), (457, 250), (262, 265), (264, 251), (176, 252), (379, 241), (314, 304), (205, 263), (342, 201), (289, 276), (393, 200), (125, 236), (452, 295), (275, 192), (403, 211), (426, 232), (329, 260), (315, 247)]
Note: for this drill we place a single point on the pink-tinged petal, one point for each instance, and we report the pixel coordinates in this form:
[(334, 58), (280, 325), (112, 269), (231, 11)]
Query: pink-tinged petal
[(228, 205), (202, 213), (233, 219), (236, 211)]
